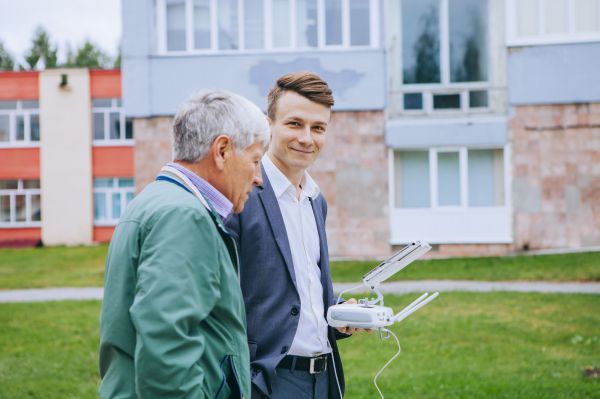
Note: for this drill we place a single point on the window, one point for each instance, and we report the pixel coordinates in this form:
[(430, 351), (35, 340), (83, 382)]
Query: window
[(444, 56), (532, 22), (442, 178), (20, 203), (19, 123), (111, 195), (200, 26), (109, 123)]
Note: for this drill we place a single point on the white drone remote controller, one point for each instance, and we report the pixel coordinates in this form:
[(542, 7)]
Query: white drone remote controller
[(370, 313)]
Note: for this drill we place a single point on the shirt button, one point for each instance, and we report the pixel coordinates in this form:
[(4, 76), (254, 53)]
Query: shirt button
[(284, 349), (295, 311)]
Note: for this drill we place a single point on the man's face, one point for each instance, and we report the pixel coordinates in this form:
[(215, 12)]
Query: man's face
[(242, 172), (297, 132)]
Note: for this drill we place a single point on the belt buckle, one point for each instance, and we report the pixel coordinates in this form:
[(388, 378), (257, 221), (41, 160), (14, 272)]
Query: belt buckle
[(313, 361)]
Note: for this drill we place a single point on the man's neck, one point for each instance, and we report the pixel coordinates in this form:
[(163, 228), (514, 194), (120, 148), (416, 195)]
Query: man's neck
[(294, 175), (196, 168)]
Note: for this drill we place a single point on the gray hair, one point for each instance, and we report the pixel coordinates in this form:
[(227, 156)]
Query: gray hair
[(211, 113)]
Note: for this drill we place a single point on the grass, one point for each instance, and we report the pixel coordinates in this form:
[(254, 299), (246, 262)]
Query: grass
[(84, 266), (463, 345), (564, 267)]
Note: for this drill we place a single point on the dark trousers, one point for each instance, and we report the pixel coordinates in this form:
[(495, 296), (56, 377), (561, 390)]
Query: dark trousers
[(297, 385)]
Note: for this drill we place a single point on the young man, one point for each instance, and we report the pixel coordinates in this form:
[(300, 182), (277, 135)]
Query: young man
[(284, 260), (173, 323)]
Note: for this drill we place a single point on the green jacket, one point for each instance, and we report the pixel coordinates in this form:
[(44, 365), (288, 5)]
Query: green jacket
[(173, 323)]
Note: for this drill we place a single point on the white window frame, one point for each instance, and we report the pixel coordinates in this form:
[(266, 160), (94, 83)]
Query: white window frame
[(161, 24), (542, 38), (28, 193), (108, 192), (451, 224), (26, 113), (428, 90), (106, 111)]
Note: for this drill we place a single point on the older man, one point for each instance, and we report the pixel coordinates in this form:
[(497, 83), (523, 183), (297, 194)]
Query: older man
[(173, 323), (284, 260)]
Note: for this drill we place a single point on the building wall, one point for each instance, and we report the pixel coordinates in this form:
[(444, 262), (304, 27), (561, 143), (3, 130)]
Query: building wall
[(556, 169), (66, 165), (152, 148)]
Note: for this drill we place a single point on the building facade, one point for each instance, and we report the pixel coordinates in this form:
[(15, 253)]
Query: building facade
[(66, 157), (472, 124)]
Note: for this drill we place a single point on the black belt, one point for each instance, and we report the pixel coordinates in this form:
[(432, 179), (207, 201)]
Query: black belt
[(312, 365)]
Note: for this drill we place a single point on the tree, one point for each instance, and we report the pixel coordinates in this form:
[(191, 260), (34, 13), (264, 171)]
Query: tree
[(42, 49), (7, 63), (87, 56)]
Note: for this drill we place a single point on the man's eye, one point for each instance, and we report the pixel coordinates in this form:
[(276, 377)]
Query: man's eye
[(294, 123)]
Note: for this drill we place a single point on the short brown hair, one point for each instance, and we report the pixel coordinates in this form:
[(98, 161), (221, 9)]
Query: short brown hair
[(307, 84)]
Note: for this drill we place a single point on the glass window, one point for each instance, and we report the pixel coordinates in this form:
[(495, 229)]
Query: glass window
[(486, 178), (20, 136), (5, 208), (306, 23), (412, 179), (98, 126), (333, 22), (103, 183), (253, 24), (31, 184), (36, 208), (527, 17), (125, 182), (468, 41), (9, 184), (360, 29), (102, 102), (20, 208), (4, 128), (34, 123), (281, 26), (587, 17), (99, 206), (128, 129), (420, 41), (8, 105), (448, 179), (413, 101), (478, 99), (116, 205), (446, 101), (31, 104), (228, 24), (202, 24), (115, 125), (176, 25), (556, 16)]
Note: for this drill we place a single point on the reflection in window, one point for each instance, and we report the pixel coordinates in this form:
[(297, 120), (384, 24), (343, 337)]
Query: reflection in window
[(478, 99), (108, 121), (4, 128), (111, 196), (34, 123), (19, 202), (448, 179), (333, 22), (253, 24), (468, 41), (412, 179), (486, 178), (281, 26), (420, 41), (446, 101), (359, 23), (228, 24), (20, 128), (413, 101), (175, 25), (202, 24), (19, 122), (306, 23)]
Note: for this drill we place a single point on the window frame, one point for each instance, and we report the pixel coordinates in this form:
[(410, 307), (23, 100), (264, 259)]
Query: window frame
[(374, 30), (28, 193), (115, 107), (108, 192), (27, 113), (428, 90), (542, 38)]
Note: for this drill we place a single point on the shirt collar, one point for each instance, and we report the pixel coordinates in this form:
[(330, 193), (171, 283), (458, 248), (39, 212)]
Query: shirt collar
[(281, 183), (220, 203)]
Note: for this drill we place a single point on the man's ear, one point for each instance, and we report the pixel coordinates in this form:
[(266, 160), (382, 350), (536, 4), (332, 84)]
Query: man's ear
[(221, 149)]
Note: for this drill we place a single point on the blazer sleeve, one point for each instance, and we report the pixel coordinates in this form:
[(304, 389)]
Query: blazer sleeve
[(177, 287)]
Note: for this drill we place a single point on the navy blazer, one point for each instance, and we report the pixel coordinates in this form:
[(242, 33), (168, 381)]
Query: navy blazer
[(268, 284)]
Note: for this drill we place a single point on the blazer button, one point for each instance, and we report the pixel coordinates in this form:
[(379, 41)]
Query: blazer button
[(295, 311), (284, 349)]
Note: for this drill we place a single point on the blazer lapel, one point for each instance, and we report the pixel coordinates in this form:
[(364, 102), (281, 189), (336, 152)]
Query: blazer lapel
[(323, 252), (271, 206)]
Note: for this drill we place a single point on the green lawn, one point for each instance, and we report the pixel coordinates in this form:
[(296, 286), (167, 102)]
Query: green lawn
[(84, 266), (462, 345)]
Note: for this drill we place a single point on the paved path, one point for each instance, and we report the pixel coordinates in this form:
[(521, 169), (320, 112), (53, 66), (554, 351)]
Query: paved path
[(398, 287)]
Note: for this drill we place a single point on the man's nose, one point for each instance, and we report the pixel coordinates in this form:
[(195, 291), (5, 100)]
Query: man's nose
[(305, 136), (257, 178)]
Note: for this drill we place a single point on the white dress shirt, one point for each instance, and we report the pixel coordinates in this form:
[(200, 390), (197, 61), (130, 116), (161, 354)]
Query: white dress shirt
[(303, 237)]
